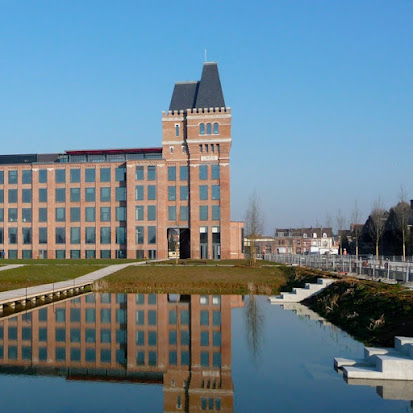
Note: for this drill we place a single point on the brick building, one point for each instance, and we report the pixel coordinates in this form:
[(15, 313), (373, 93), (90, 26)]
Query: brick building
[(157, 202)]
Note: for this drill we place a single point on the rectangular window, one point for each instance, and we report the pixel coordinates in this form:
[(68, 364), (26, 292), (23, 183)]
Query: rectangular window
[(90, 175), (183, 193), (105, 214), (216, 192), (1, 177), (74, 194), (151, 235), (90, 194), (120, 213), (75, 235), (1, 196), (12, 177), (139, 213), (203, 192), (151, 173), (204, 359), (204, 338), (171, 193), (183, 173), (90, 214), (216, 212), (183, 213), (120, 194), (26, 196), (171, 173), (215, 172), (171, 213), (43, 195), (60, 176), (60, 235), (26, 177), (216, 339), (151, 192), (75, 176), (204, 320), (60, 214), (105, 235), (184, 317), (27, 215), (105, 194), (105, 175), (139, 235), (12, 214), (75, 214), (216, 318), (42, 214), (120, 174), (12, 196), (90, 235), (1, 217), (139, 173), (203, 172), (60, 195), (203, 213), (27, 236), (43, 176), (151, 213), (139, 195), (12, 236), (120, 235)]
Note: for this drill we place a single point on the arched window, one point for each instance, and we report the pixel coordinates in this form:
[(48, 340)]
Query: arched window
[(176, 130), (208, 129), (171, 148), (304, 235), (202, 129), (216, 128)]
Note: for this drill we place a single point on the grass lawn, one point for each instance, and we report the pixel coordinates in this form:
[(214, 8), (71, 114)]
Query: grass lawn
[(30, 275), (213, 262), (196, 279)]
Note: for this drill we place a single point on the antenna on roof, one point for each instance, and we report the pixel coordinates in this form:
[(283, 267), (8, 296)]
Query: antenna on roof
[(205, 55)]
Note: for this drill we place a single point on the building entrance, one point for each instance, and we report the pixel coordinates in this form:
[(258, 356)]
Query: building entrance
[(179, 243)]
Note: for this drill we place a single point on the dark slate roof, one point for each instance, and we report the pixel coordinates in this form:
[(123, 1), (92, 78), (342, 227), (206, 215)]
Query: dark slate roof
[(207, 93), (184, 95)]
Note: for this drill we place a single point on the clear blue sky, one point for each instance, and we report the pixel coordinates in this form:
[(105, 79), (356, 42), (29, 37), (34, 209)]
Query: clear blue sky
[(321, 91)]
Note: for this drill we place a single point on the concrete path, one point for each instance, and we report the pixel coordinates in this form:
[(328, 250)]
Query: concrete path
[(10, 266), (47, 289)]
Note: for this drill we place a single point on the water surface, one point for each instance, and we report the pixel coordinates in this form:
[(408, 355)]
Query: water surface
[(147, 352)]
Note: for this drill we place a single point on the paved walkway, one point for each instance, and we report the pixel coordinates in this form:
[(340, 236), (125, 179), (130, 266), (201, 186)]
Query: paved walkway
[(10, 266), (46, 289)]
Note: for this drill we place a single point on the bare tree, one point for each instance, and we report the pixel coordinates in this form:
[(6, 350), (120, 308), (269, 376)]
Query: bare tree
[(401, 216), (355, 220), (254, 224), (341, 223), (377, 223), (328, 221)]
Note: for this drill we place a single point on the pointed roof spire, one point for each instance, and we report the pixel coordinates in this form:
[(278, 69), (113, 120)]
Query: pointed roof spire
[(210, 91)]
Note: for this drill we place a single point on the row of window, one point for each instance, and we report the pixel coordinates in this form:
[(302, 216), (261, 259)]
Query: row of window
[(203, 213), (75, 254), (75, 214), (60, 195), (75, 175), (209, 129), (203, 193), (75, 235), (209, 148), (203, 172)]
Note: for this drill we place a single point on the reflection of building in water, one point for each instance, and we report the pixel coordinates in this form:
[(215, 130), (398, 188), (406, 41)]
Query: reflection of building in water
[(182, 341)]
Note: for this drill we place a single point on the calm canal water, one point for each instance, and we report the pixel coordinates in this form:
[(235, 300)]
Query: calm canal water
[(154, 353)]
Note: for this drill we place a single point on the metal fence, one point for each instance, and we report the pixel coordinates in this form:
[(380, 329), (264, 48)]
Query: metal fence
[(371, 267)]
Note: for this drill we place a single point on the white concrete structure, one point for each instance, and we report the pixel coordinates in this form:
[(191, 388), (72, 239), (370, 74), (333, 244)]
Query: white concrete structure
[(303, 311), (381, 363), (300, 294)]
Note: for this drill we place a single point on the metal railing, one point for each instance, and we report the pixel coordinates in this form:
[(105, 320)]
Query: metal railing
[(371, 267)]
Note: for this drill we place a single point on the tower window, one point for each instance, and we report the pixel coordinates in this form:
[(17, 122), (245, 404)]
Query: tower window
[(171, 148), (202, 129), (201, 148), (208, 131), (176, 130), (216, 128)]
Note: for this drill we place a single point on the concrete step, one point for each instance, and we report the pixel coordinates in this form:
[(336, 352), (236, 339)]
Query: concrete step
[(311, 286), (395, 367), (363, 372), (340, 362), (370, 352), (325, 281), (404, 345)]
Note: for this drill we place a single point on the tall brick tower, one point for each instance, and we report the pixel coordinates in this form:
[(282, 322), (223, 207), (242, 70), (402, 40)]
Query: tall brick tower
[(196, 141)]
